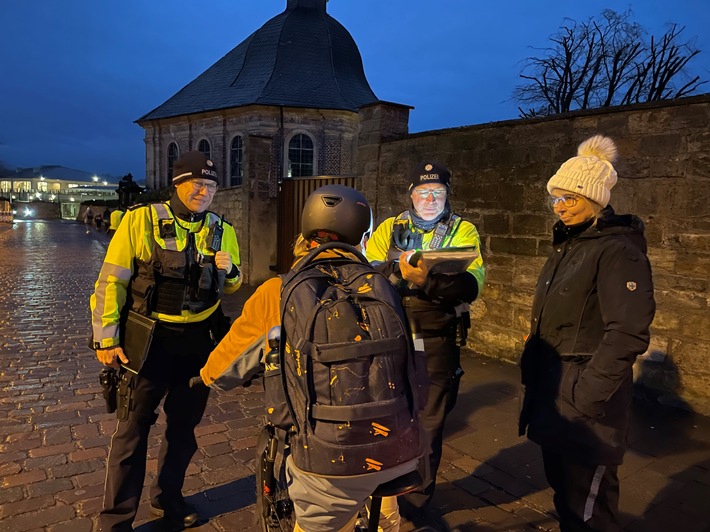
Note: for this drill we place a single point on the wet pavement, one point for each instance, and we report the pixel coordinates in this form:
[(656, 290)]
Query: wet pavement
[(54, 431)]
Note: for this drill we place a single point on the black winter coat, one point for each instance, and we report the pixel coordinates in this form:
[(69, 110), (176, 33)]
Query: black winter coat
[(591, 314)]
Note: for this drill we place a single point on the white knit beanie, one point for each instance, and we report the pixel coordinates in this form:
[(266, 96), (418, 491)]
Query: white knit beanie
[(590, 174)]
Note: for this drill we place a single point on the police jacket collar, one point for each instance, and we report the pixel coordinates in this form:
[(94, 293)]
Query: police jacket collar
[(182, 212)]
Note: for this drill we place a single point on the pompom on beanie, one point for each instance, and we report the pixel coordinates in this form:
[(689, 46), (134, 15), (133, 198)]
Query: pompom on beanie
[(590, 173)]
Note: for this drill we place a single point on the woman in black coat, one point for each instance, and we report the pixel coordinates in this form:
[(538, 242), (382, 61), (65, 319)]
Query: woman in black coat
[(591, 314)]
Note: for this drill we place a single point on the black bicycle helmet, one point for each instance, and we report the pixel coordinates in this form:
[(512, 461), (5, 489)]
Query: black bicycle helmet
[(336, 209)]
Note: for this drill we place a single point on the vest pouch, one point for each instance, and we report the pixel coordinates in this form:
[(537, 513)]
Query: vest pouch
[(170, 282), (203, 290), (142, 291), (172, 264), (202, 282)]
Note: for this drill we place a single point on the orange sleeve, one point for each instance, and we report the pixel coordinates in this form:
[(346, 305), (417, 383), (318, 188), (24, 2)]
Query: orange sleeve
[(239, 355)]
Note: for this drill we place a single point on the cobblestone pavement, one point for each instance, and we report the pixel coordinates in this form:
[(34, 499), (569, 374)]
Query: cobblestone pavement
[(54, 432)]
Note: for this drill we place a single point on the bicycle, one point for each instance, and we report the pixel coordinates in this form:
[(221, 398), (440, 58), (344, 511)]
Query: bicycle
[(274, 505)]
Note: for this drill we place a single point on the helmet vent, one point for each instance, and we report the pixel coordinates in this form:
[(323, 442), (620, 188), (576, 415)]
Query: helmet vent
[(332, 201)]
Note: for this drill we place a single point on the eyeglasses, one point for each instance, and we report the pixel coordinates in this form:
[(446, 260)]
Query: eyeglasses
[(199, 185), (424, 193), (568, 200)]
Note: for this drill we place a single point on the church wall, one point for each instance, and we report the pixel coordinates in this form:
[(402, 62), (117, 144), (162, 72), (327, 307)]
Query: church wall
[(499, 176)]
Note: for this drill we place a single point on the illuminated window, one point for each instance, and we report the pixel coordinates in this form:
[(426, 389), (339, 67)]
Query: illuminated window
[(236, 158), (300, 156)]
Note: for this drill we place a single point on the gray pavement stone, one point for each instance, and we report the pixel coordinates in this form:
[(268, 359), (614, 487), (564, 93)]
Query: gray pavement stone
[(54, 431)]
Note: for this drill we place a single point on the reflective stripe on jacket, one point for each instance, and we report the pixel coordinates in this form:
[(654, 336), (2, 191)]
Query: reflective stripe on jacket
[(380, 244), (134, 240)]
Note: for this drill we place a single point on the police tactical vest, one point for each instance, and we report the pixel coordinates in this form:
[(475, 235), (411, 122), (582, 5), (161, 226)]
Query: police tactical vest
[(347, 366), (179, 275), (403, 235)]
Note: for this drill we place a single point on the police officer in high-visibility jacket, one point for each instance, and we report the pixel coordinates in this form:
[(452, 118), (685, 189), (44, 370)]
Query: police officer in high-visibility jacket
[(116, 217), (169, 262), (436, 303)]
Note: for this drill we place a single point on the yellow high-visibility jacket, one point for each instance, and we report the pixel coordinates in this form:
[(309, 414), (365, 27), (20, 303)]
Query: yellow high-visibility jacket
[(465, 234), (134, 240), (116, 217)]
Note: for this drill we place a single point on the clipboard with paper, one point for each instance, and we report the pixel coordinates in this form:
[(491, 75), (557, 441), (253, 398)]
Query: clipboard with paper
[(446, 260)]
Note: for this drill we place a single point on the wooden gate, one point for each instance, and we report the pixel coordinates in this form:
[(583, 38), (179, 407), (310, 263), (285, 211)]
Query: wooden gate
[(292, 196)]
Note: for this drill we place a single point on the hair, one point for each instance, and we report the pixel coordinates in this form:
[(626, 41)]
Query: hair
[(300, 247), (596, 209)]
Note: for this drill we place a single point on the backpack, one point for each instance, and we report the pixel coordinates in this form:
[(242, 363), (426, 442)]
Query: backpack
[(348, 367)]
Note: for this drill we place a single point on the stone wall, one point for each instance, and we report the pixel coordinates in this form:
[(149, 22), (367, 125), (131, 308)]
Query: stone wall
[(500, 171)]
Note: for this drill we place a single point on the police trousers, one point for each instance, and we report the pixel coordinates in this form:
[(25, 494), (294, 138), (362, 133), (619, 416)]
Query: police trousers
[(177, 353), (444, 369)]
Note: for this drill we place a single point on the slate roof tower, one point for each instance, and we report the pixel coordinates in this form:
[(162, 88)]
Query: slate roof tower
[(300, 58)]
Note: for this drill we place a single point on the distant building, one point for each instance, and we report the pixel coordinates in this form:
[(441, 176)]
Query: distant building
[(298, 81), (56, 184)]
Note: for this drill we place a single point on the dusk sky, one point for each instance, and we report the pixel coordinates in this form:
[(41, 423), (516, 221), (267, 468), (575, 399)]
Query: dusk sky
[(75, 74)]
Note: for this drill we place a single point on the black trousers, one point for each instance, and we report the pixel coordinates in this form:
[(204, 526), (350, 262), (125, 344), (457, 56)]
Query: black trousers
[(586, 495), (177, 353), (444, 368)]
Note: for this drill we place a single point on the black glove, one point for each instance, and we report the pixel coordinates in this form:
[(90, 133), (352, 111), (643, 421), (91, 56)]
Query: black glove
[(194, 382), (234, 272)]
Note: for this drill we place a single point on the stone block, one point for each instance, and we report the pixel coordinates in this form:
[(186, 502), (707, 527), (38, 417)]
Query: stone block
[(499, 312), (690, 263), (532, 224), (495, 224), (39, 519), (680, 301), (680, 283), (77, 468), (514, 245), (24, 478)]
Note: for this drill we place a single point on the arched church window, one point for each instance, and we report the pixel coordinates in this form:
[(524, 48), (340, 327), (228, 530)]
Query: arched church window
[(172, 157), (300, 156), (204, 147), (236, 159)]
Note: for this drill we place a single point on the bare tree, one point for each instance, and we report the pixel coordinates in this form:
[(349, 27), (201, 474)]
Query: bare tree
[(602, 62)]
